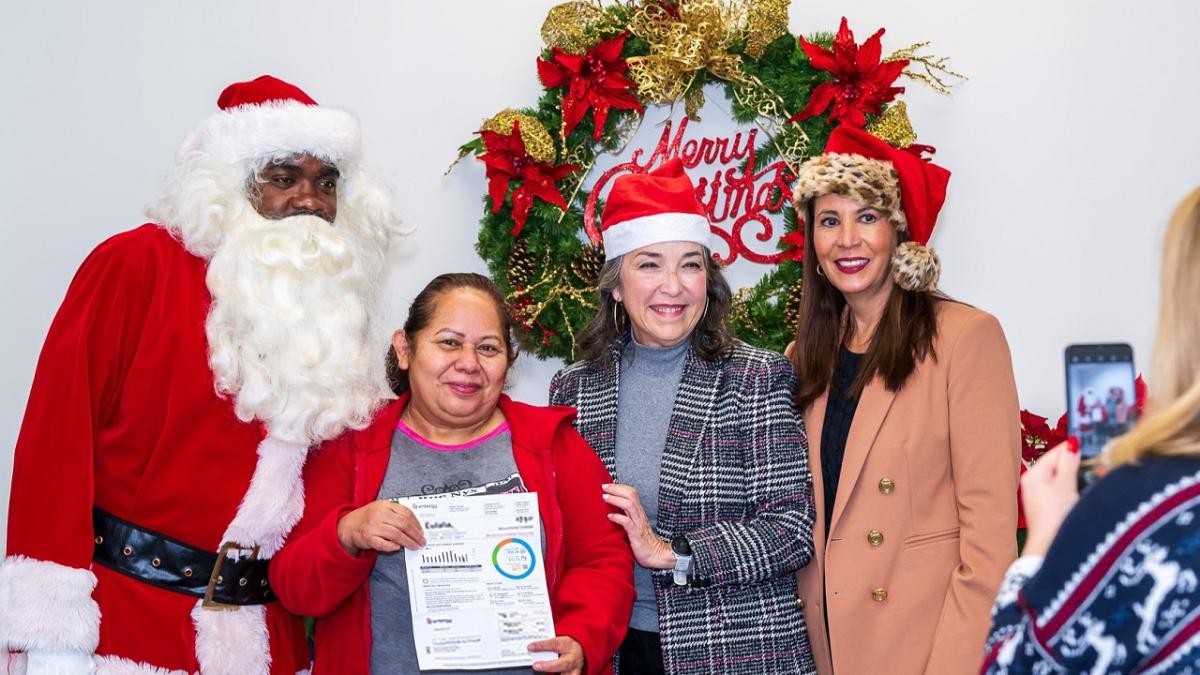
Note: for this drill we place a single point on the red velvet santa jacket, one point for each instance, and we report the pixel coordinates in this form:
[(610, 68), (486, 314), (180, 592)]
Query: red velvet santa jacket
[(122, 415), (589, 567)]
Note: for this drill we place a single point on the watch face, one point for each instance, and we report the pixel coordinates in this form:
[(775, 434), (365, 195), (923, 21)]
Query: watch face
[(680, 546)]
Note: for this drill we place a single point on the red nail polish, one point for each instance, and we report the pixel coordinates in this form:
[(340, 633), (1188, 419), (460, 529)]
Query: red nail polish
[(1073, 444)]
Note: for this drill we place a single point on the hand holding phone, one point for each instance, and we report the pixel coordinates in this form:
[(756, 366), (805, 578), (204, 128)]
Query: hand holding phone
[(1101, 401)]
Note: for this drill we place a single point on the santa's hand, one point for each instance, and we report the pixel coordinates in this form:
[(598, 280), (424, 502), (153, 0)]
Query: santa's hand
[(380, 526), (648, 550), (570, 656)]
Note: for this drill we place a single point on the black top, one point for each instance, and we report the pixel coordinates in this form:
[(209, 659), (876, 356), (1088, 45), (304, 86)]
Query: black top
[(839, 413)]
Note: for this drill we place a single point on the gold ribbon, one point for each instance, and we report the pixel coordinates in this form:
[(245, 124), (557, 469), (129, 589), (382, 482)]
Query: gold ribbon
[(698, 36)]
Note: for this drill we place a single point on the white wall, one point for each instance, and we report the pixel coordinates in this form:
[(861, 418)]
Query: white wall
[(1069, 145)]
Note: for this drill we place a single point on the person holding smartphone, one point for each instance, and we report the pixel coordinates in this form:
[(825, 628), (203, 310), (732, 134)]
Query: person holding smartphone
[(912, 415), (1109, 582)]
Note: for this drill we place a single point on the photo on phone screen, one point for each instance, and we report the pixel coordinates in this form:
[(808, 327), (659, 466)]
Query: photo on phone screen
[(1100, 394)]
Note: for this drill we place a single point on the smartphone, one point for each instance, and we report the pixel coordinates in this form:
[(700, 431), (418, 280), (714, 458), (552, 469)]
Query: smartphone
[(1101, 403)]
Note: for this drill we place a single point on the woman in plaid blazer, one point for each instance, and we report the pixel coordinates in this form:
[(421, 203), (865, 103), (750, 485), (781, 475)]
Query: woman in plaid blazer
[(734, 510)]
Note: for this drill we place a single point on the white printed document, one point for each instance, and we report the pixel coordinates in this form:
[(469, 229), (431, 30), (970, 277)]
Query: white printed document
[(477, 588)]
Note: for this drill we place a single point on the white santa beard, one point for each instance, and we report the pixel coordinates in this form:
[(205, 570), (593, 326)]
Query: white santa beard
[(288, 329)]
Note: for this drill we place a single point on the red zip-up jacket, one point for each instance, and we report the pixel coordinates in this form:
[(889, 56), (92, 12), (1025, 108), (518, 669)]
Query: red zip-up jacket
[(589, 566)]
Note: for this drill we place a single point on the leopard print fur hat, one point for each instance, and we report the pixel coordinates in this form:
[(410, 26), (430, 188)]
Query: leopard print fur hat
[(906, 189)]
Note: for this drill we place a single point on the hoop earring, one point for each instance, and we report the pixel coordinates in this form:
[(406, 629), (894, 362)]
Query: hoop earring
[(704, 314), (616, 319), (820, 271)]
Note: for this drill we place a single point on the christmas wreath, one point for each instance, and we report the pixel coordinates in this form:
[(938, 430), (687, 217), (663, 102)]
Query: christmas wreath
[(601, 65)]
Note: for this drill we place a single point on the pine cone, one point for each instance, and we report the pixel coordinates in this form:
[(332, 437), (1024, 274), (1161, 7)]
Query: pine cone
[(521, 266), (791, 305), (587, 263)]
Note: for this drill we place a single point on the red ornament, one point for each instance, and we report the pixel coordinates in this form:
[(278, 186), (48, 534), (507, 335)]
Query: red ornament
[(506, 161), (596, 81), (862, 84)]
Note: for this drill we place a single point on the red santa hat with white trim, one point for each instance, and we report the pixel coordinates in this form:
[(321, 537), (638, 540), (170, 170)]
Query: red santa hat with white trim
[(652, 208), (267, 117)]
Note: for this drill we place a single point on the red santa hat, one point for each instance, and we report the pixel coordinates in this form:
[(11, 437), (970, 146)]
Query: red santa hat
[(267, 117), (651, 208), (907, 189)]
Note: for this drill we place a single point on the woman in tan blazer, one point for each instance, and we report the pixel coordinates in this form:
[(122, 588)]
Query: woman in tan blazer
[(912, 422)]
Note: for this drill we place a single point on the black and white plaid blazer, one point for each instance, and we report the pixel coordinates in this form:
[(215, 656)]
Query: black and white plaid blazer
[(735, 482)]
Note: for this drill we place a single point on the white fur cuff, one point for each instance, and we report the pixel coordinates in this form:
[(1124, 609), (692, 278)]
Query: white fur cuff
[(47, 606), (113, 665)]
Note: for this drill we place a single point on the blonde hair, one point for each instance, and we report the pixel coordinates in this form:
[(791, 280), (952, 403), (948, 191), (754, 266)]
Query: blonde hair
[(1172, 424)]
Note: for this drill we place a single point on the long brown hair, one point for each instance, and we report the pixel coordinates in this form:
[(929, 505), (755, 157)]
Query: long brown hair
[(425, 304), (903, 338), (710, 338)]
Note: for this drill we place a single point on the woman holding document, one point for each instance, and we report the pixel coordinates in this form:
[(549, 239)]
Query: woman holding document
[(452, 433)]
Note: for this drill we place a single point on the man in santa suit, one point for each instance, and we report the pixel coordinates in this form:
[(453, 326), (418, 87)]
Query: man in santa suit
[(194, 362)]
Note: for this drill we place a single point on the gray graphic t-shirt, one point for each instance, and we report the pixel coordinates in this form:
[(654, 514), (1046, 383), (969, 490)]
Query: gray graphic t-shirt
[(421, 467)]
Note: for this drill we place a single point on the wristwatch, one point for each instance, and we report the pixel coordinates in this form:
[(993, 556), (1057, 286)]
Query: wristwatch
[(683, 559)]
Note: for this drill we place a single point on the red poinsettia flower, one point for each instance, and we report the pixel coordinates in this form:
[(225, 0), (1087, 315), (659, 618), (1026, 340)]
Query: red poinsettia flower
[(795, 242), (1037, 437), (596, 81), (861, 85), (507, 161)]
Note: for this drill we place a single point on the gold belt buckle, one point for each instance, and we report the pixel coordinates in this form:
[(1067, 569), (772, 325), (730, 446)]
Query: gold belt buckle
[(215, 577)]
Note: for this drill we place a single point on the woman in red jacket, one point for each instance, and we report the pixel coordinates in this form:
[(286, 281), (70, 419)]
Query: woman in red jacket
[(451, 432)]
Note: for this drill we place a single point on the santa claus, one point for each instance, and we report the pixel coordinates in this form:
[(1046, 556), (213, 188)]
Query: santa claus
[(194, 362)]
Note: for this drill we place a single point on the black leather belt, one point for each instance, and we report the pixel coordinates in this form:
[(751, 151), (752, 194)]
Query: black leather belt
[(159, 560)]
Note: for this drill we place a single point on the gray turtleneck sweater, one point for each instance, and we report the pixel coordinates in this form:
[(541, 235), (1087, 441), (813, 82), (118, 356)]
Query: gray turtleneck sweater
[(649, 378)]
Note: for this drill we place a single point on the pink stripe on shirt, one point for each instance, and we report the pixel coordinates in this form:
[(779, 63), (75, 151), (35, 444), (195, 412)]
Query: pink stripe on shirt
[(461, 447)]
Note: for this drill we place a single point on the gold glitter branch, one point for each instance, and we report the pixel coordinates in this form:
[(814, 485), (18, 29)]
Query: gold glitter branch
[(559, 289), (766, 20), (575, 26), (934, 72), (894, 127)]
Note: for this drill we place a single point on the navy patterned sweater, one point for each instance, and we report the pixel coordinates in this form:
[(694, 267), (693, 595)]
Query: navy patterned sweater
[(1119, 589)]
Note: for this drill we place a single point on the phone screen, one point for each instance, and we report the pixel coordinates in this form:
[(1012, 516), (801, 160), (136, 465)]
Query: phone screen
[(1101, 401)]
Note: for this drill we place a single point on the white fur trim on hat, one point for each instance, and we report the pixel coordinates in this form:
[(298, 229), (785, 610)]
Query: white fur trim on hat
[(274, 129), (47, 606), (635, 233)]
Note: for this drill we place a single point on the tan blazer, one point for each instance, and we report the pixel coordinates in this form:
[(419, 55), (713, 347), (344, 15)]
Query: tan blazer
[(924, 523)]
